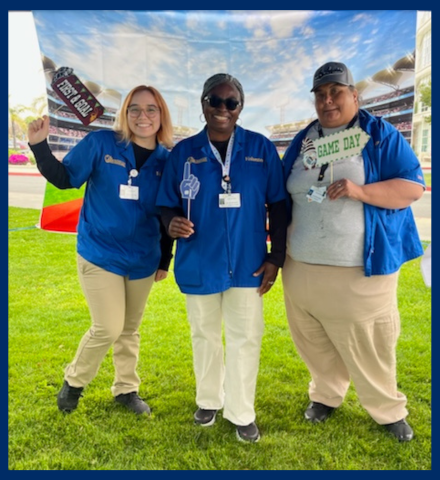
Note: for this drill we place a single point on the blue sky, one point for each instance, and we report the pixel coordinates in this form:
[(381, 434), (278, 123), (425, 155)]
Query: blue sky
[(273, 53)]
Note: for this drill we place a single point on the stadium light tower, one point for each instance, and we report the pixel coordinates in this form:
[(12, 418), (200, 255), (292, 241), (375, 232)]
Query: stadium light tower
[(282, 106), (181, 103)]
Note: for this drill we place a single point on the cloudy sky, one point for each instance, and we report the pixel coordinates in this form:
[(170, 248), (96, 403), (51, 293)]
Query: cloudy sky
[(273, 53)]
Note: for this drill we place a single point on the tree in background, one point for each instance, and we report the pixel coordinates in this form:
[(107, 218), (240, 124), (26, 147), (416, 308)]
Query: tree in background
[(20, 116), (425, 97)]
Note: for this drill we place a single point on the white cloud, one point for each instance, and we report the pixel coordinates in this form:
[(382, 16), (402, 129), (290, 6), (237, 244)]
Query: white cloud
[(285, 23)]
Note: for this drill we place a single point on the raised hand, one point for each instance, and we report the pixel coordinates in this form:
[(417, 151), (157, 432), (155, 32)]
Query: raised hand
[(38, 130)]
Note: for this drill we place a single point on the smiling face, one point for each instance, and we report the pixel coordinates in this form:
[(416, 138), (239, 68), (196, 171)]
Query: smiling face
[(221, 121), (143, 115), (335, 104)]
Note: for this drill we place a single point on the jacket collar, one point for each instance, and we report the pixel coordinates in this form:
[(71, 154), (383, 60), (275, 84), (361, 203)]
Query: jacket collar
[(126, 150), (201, 140)]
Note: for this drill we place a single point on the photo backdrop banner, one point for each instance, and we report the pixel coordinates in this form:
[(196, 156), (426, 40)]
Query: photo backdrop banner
[(274, 55)]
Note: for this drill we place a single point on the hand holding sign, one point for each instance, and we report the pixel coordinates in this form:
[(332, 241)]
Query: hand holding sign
[(189, 186), (38, 130), (344, 144), (76, 95)]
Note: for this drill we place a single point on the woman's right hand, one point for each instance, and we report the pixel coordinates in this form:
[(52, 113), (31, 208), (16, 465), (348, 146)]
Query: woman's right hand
[(180, 227), (38, 130)]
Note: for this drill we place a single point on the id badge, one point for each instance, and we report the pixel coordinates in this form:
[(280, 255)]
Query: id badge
[(129, 192), (316, 194), (229, 200)]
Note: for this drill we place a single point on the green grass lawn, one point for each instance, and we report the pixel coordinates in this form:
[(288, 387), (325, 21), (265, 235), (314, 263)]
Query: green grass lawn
[(427, 179), (48, 316)]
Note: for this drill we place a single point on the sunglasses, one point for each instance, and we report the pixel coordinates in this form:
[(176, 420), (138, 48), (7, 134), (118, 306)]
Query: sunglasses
[(215, 102)]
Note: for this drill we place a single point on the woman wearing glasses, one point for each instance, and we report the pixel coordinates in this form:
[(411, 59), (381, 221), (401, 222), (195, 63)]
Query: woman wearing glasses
[(121, 247), (213, 198)]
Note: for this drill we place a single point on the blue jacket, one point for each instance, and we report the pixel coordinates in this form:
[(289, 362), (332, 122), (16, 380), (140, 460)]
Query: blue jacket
[(391, 236), (229, 244), (121, 236)]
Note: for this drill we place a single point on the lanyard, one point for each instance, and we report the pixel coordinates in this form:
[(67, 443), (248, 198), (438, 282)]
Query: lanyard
[(226, 181), (321, 134)]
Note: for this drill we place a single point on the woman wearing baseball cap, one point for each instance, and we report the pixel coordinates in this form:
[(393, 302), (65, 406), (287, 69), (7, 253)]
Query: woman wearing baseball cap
[(351, 230)]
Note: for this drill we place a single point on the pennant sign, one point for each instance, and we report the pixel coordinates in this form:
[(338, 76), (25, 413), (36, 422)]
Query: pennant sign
[(76, 95), (344, 144)]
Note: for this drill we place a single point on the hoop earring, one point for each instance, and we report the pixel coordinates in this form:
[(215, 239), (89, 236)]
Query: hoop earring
[(203, 120)]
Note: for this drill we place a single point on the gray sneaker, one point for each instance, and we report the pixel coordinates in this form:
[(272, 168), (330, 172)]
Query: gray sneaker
[(133, 402), (205, 418), (248, 433), (68, 397), (401, 430), (318, 412)]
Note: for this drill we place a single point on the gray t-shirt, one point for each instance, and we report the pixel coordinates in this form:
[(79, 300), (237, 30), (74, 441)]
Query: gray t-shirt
[(331, 232)]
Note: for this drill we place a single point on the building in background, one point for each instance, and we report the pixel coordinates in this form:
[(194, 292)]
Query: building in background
[(421, 135)]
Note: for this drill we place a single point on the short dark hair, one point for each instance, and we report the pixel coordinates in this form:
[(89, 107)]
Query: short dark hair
[(218, 79)]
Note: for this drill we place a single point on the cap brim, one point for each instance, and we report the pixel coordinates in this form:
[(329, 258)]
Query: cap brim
[(329, 79)]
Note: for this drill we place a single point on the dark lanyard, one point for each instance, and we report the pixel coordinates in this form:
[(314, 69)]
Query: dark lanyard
[(321, 134)]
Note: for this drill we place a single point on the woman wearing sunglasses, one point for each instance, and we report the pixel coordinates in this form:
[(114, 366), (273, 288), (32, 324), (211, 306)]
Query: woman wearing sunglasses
[(121, 247), (214, 194)]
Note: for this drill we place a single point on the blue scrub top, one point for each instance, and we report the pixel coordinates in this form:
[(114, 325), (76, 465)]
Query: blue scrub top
[(229, 244), (119, 235)]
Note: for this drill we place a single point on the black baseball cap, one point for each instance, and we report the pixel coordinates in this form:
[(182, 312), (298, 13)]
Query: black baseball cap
[(332, 72)]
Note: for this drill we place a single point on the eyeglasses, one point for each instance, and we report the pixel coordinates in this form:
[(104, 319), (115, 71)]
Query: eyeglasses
[(151, 111), (215, 102)]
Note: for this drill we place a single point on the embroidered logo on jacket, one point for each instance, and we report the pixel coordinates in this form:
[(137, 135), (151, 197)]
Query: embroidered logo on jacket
[(253, 159), (200, 160), (110, 159)]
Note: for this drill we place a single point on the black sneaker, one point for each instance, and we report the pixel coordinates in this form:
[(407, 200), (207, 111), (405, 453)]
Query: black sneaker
[(133, 402), (68, 397), (205, 418), (401, 430), (318, 412), (248, 433)]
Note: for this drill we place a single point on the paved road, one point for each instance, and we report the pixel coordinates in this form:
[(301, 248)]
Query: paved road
[(422, 212), (26, 190)]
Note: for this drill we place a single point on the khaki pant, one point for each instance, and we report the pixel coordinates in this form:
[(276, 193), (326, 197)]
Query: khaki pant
[(116, 306), (231, 383), (345, 326)]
